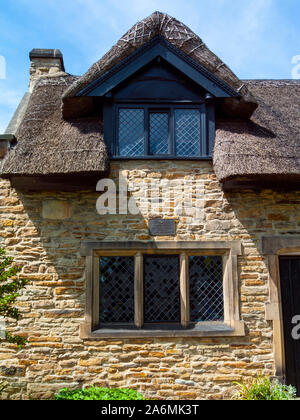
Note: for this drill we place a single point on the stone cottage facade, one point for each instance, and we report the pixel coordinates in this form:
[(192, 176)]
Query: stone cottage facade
[(186, 282)]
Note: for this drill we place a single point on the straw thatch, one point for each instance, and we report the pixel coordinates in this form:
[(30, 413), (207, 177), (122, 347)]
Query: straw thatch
[(48, 144), (175, 32), (263, 147), (269, 144)]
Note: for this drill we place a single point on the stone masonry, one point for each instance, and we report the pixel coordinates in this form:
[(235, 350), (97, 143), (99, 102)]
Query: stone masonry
[(43, 231)]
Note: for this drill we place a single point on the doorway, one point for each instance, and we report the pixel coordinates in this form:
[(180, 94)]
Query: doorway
[(290, 294)]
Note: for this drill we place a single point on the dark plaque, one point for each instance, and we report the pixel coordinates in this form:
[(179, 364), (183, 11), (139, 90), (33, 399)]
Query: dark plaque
[(161, 227)]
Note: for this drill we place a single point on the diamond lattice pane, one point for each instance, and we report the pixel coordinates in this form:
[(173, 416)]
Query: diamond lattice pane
[(159, 133), (187, 132), (131, 132), (116, 290), (206, 288), (161, 289)]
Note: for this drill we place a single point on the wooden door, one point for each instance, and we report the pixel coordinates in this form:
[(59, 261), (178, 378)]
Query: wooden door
[(290, 292)]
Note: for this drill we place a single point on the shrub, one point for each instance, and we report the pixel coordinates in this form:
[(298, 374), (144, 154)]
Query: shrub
[(100, 394), (9, 288), (263, 388)]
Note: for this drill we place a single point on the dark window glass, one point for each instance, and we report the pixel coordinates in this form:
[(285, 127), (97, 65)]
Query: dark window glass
[(131, 132), (161, 289), (169, 132), (159, 133), (187, 132), (206, 288), (116, 290)]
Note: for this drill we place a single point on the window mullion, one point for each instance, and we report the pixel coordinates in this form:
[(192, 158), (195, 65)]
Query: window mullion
[(203, 143), (210, 128), (138, 291), (146, 132), (184, 290), (171, 132), (96, 292)]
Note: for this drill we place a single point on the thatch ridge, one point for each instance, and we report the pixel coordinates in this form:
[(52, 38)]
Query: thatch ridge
[(175, 32)]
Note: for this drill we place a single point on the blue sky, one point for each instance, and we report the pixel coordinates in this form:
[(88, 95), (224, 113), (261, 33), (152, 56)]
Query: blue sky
[(256, 38)]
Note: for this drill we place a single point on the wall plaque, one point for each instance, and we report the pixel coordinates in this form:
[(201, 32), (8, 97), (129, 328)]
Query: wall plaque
[(161, 227)]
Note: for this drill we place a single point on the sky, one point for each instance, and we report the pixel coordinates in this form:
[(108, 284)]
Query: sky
[(257, 39)]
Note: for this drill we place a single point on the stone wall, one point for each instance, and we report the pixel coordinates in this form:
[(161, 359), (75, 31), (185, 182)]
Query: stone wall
[(43, 231)]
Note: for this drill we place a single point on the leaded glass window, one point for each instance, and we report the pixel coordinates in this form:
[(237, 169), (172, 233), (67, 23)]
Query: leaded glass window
[(187, 132), (131, 132), (161, 289), (116, 290), (206, 288), (159, 296), (148, 131), (159, 133)]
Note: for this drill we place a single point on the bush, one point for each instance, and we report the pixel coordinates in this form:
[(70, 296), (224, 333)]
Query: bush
[(10, 285), (100, 394), (264, 389)]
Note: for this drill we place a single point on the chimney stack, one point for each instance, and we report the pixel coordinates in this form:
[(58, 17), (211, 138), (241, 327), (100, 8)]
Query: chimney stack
[(44, 62)]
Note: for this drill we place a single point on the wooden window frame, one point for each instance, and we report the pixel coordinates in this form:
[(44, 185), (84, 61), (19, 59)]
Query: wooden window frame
[(207, 129), (232, 324)]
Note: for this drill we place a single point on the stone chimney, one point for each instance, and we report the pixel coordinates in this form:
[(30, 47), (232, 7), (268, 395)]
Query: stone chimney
[(44, 62)]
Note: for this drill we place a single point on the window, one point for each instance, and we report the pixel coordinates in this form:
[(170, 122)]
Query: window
[(206, 288), (160, 299), (161, 289), (159, 131), (155, 289), (116, 290), (154, 132)]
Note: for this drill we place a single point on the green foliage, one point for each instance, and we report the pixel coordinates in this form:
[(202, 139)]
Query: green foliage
[(263, 388), (99, 394), (9, 288)]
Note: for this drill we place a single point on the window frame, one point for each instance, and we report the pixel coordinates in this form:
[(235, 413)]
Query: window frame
[(232, 324), (207, 128)]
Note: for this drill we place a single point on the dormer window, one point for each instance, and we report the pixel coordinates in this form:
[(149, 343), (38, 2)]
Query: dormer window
[(162, 131), (158, 103), (159, 113)]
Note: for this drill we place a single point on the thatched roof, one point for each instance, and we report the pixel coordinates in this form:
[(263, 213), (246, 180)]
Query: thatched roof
[(269, 144), (175, 32), (48, 144)]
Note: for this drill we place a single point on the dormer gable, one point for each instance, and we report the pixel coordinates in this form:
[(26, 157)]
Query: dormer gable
[(158, 37), (165, 63)]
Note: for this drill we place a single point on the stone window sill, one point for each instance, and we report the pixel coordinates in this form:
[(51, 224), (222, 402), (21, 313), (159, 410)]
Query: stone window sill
[(205, 329)]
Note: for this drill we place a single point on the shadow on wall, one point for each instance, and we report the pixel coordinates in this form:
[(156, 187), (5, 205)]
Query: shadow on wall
[(45, 230)]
